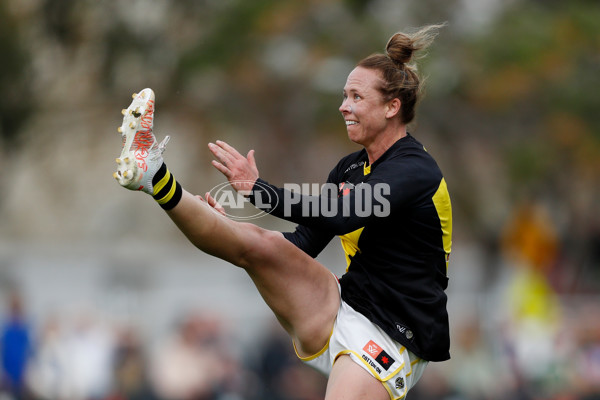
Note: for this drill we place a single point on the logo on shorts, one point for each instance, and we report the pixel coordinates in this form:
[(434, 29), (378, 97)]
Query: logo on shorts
[(382, 358), (399, 383)]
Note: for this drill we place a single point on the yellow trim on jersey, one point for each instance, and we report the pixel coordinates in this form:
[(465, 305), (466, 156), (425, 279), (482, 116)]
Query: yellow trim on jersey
[(350, 240), (350, 244), (441, 200)]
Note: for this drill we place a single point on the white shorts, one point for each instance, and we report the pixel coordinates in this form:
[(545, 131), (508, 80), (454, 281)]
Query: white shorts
[(370, 347)]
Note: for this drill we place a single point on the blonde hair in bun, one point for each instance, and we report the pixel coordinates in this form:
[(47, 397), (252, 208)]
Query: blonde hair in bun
[(400, 77)]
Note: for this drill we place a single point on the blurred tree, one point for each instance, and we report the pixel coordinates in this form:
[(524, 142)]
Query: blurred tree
[(527, 88), (230, 39), (358, 7), (60, 19), (16, 101), (539, 65)]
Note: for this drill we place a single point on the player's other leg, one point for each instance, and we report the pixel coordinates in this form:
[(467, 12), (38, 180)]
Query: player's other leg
[(301, 292), (349, 381)]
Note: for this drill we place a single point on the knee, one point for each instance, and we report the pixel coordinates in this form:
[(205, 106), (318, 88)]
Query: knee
[(262, 247)]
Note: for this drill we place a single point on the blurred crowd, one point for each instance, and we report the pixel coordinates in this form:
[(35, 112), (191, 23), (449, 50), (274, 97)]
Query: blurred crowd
[(87, 357)]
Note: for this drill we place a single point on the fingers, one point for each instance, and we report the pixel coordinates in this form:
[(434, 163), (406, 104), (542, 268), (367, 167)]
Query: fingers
[(229, 149), (219, 154), (225, 159), (223, 169), (214, 203), (224, 152), (240, 171), (211, 200), (251, 159), (229, 160)]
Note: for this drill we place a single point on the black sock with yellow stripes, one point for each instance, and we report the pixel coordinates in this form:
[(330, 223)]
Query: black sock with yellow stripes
[(167, 191)]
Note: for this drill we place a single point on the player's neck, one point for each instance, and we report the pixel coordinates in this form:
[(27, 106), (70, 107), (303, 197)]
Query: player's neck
[(384, 141)]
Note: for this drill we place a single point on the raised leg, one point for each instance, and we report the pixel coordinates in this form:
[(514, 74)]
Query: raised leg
[(302, 293)]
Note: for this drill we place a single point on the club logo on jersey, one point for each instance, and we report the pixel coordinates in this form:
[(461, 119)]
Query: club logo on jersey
[(376, 352), (345, 188)]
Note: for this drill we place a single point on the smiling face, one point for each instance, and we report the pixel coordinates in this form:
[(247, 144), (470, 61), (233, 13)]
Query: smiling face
[(366, 113)]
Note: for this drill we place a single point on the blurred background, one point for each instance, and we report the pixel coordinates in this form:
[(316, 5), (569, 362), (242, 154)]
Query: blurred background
[(102, 298)]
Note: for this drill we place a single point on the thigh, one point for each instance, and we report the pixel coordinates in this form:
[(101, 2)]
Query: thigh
[(349, 381), (302, 293)]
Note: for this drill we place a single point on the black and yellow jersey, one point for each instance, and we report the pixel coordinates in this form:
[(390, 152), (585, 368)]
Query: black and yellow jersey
[(394, 219)]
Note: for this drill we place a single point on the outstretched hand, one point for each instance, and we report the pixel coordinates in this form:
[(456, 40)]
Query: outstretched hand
[(240, 171)]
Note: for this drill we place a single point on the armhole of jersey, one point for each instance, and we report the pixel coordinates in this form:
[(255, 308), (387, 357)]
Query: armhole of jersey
[(441, 200), (350, 244)]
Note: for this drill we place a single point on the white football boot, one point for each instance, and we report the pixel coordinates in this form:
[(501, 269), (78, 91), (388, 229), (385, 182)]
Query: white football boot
[(141, 155)]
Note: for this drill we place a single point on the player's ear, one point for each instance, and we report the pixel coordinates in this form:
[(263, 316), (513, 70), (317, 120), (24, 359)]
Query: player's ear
[(393, 107)]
